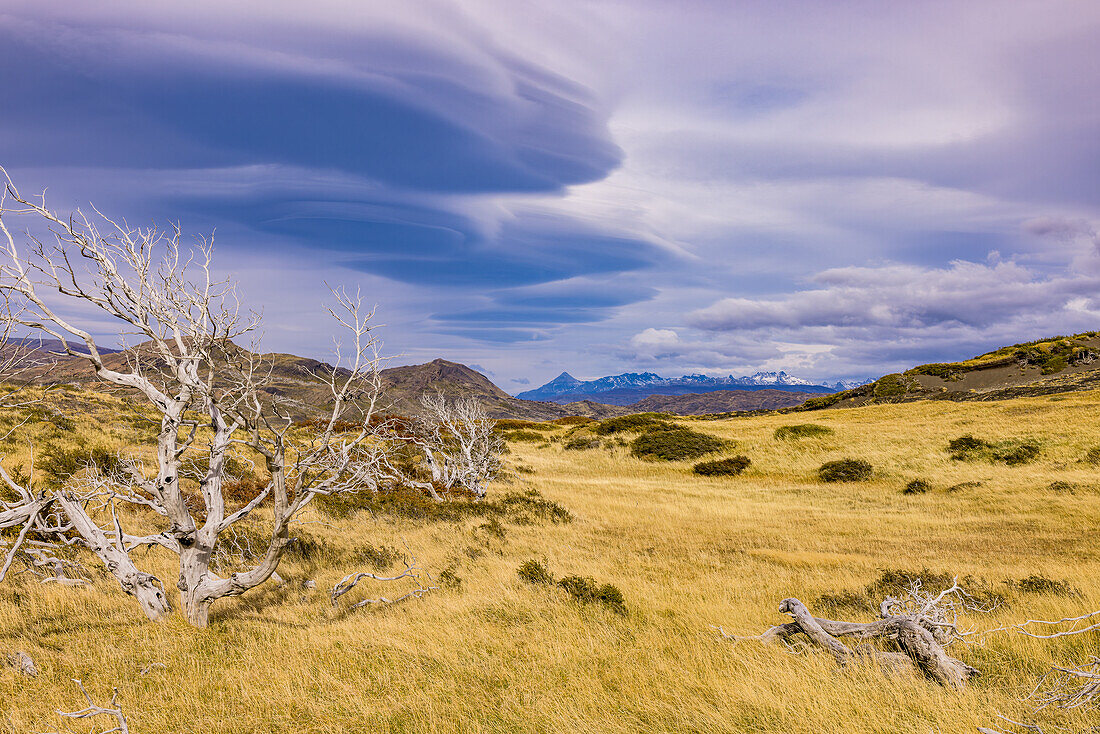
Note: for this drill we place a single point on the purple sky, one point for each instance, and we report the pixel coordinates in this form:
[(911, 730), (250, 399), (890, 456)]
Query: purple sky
[(836, 189)]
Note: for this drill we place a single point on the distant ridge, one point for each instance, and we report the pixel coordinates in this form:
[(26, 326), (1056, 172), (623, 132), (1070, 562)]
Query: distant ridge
[(631, 387)]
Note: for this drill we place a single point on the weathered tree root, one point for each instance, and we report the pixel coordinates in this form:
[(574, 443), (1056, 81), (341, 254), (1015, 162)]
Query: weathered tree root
[(917, 647)]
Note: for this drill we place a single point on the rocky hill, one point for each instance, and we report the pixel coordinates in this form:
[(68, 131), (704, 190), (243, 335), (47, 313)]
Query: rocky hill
[(1043, 367)]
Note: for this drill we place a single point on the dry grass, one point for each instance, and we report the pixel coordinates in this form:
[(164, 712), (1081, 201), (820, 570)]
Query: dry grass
[(500, 655)]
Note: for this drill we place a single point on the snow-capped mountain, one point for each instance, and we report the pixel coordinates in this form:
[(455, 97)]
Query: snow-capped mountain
[(566, 388)]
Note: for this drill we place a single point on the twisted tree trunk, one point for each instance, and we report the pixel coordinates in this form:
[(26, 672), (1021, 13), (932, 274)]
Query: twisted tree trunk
[(918, 648)]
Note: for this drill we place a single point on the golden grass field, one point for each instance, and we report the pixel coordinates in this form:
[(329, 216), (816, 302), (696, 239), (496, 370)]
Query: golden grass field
[(499, 655)]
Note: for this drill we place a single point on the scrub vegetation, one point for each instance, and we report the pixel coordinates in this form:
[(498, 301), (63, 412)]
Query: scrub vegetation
[(652, 554)]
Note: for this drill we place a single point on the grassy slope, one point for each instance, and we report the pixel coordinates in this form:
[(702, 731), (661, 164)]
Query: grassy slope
[(688, 552)]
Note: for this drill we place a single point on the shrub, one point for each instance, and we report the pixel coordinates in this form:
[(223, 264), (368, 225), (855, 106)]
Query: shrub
[(535, 572), (1092, 456), (917, 486), (730, 467), (633, 423), (845, 470), (573, 420), (1060, 487), (674, 444), (448, 579), (524, 436), (581, 443), (802, 430), (511, 424), (1015, 454), (824, 401), (891, 386), (965, 448), (522, 508), (379, 558), (963, 485), (1041, 584), (585, 590), (59, 463), (895, 582)]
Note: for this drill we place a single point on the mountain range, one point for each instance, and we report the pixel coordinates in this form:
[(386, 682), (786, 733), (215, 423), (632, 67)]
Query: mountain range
[(631, 387)]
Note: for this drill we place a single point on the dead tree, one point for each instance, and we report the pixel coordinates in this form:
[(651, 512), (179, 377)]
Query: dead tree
[(208, 391), (112, 709), (917, 633), (458, 443)]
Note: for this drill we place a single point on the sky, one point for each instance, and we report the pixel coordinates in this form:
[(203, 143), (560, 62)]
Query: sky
[(839, 189)]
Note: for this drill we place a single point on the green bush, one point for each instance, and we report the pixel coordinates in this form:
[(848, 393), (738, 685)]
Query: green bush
[(802, 430), (581, 443), (845, 470), (674, 444), (573, 420), (1015, 454), (512, 424), (966, 447), (1041, 584), (917, 486), (535, 572), (633, 423), (58, 463), (379, 558), (730, 467), (524, 436), (824, 401), (585, 590)]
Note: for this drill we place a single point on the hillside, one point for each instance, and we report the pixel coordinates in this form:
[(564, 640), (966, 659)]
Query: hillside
[(1043, 367), (721, 401), (403, 387), (687, 552)]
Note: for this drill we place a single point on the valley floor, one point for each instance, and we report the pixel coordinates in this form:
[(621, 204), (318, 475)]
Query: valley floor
[(500, 655)]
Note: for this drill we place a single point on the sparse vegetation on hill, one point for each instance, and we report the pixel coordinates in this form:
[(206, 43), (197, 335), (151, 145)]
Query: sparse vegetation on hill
[(729, 467), (684, 554), (845, 470), (634, 423), (802, 430), (674, 444)]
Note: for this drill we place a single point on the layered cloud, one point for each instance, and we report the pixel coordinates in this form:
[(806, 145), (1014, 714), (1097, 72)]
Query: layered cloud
[(834, 188)]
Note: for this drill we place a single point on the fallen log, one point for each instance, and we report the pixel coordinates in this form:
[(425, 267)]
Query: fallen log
[(917, 647)]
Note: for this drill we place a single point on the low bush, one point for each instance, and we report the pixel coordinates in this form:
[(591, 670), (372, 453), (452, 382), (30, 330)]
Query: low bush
[(585, 590), (917, 486), (845, 470), (521, 508), (963, 485), (511, 424), (1092, 456), (58, 463), (573, 420), (674, 444), (380, 558), (824, 401), (449, 579), (802, 430), (1060, 486), (730, 467), (966, 447), (1041, 584), (896, 582), (633, 423), (535, 572), (524, 436), (1015, 454), (581, 443)]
